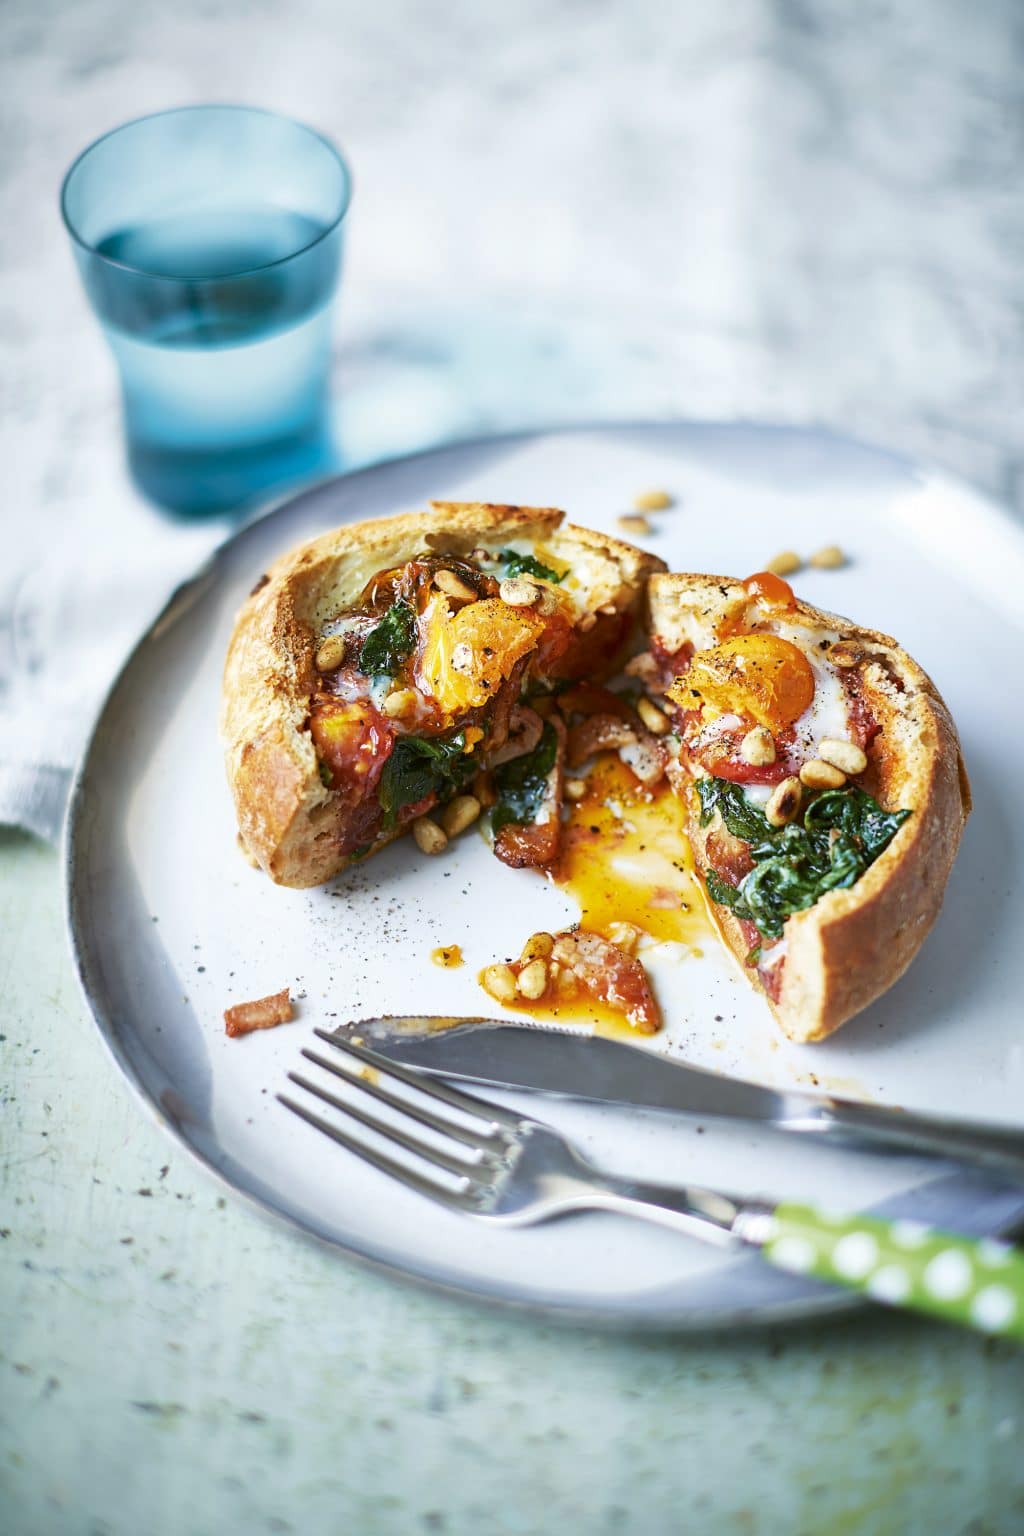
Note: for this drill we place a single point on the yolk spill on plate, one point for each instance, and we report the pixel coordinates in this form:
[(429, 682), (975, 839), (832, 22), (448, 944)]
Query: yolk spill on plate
[(447, 956), (626, 858)]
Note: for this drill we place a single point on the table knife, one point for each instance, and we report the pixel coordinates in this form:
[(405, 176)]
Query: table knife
[(577, 1064)]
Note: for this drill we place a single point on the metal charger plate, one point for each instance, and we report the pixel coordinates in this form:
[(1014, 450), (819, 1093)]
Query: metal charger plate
[(169, 925)]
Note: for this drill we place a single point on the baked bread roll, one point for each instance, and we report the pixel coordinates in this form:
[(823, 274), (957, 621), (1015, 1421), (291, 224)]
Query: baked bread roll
[(379, 670), (824, 783)]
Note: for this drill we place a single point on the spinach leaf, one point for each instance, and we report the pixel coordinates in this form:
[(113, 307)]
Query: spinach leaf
[(519, 565), (389, 642), (421, 766), (839, 836), (521, 784)]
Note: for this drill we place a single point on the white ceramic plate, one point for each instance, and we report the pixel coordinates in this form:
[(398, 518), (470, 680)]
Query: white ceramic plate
[(169, 925)]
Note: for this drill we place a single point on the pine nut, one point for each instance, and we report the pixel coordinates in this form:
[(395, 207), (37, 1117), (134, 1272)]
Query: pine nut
[(830, 558), (785, 563), (500, 982), (331, 654), (840, 655), (634, 523), (459, 814), (758, 747), (428, 835), (454, 586), (483, 788), (533, 980), (537, 947), (656, 721), (817, 774), (401, 702), (652, 501), (575, 789), (517, 592), (609, 610), (843, 754), (587, 623), (784, 802)]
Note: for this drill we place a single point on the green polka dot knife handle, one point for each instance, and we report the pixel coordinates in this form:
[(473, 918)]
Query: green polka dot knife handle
[(976, 1282)]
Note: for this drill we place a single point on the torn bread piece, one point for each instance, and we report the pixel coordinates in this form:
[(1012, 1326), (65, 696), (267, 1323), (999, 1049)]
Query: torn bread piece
[(825, 788), (376, 672)]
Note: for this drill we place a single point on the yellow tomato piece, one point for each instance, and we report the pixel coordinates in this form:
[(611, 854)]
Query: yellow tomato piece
[(469, 654), (761, 676)]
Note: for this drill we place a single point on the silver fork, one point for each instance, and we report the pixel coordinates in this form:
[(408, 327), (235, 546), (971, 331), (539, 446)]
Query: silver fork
[(510, 1170)]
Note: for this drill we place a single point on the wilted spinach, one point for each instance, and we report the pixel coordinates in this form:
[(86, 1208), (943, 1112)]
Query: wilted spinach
[(389, 642), (520, 565), (839, 835), (522, 784), (420, 766)]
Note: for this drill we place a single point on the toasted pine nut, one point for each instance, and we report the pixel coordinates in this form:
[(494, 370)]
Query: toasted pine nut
[(459, 814), (784, 802), (827, 559), (575, 789), (634, 523), (454, 585), (331, 654), (518, 592), (840, 654), (785, 563), (500, 982), (817, 774), (399, 703), (625, 935), (655, 719), (608, 610), (462, 657), (428, 835), (758, 747), (533, 980), (537, 947), (547, 602), (652, 501), (843, 754), (483, 788), (587, 623)]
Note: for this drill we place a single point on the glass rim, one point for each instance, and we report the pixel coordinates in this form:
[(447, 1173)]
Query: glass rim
[(212, 106)]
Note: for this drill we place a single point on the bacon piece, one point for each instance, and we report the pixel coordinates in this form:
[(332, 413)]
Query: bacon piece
[(599, 733), (538, 844), (610, 975), (647, 757), (525, 728), (589, 699), (262, 1013)]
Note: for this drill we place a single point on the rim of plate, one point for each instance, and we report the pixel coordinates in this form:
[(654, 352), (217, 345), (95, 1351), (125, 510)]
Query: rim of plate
[(810, 1309)]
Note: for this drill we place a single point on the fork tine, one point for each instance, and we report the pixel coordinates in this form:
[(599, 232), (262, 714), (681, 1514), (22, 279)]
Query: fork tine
[(435, 1155), (468, 1103), (378, 1160), (406, 1106)]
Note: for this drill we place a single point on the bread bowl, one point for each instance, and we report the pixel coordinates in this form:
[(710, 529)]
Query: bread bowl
[(792, 723), (376, 671)]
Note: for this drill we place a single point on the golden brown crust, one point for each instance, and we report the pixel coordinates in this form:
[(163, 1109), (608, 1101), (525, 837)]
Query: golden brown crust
[(851, 946), (288, 820)]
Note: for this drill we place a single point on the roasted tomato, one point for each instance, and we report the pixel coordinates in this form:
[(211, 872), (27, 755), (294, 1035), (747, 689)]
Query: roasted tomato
[(760, 676)]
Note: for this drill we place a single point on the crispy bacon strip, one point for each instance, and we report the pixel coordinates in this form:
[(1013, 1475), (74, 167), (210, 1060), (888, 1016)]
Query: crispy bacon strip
[(261, 1013), (525, 727)]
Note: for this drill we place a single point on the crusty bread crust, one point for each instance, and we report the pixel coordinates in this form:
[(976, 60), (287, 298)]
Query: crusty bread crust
[(288, 820), (851, 946)]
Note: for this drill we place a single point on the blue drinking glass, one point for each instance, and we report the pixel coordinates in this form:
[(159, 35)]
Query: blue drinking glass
[(209, 241)]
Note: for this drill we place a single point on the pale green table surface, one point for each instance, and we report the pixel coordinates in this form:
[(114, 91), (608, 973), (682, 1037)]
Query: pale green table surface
[(173, 1363)]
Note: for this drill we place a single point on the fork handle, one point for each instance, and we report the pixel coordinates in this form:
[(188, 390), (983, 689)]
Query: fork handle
[(976, 1282)]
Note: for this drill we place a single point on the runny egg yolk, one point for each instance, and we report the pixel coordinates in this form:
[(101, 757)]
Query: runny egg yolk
[(760, 676)]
